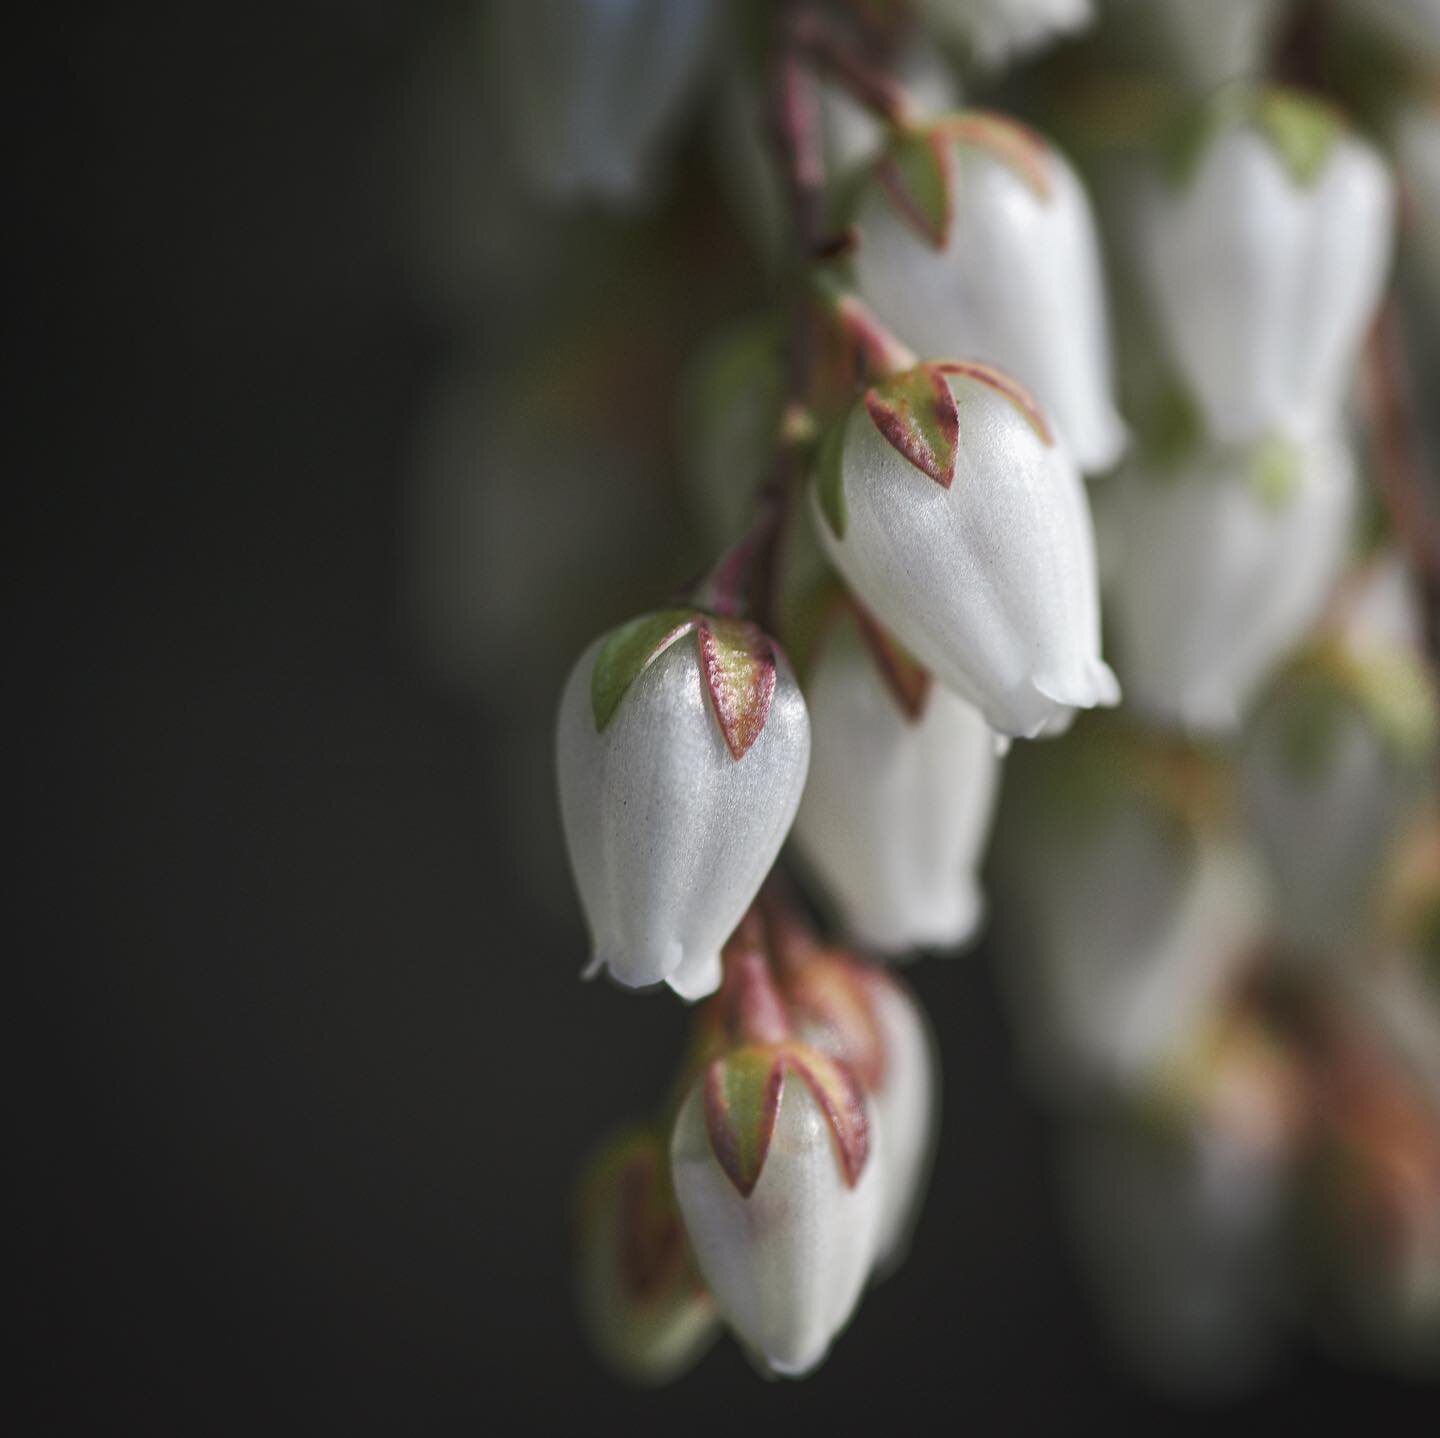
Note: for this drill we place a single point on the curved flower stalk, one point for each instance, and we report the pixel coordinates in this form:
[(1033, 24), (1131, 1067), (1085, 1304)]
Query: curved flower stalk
[(953, 514), (644, 1304), (595, 89), (1265, 253), (997, 32), (778, 1172), (682, 748), (850, 137), (862, 1015), (899, 799), (1134, 909), (1338, 755), (979, 240), (1219, 570)]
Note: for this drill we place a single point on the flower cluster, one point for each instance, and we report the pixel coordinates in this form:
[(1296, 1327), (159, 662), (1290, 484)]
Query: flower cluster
[(1018, 407)]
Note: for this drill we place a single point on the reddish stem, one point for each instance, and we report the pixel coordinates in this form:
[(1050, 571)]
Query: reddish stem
[(846, 63), (754, 1011)]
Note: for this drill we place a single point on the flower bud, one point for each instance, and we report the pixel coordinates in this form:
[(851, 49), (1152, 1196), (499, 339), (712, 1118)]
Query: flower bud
[(963, 526), (1219, 570), (897, 806), (862, 1015), (594, 88), (1337, 756), (1265, 255), (645, 1306), (682, 746), (781, 1194), (979, 240), (997, 32)]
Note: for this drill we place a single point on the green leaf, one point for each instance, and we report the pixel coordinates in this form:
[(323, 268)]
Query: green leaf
[(1304, 131), (917, 171), (738, 661), (916, 413), (830, 478), (628, 651), (742, 1101)]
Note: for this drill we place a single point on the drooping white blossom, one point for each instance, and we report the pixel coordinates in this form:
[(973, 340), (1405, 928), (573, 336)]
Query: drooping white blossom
[(669, 832), (986, 573), (1337, 757), (594, 89), (897, 807), (1015, 278), (1131, 913), (1265, 259), (1220, 568), (787, 1259), (997, 32)]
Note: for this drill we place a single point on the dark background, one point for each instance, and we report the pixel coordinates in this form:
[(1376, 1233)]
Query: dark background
[(312, 1075)]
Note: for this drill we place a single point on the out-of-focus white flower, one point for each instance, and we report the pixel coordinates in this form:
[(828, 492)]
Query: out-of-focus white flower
[(897, 806), (1183, 1228), (1202, 45), (645, 1306), (593, 89), (964, 527), (1005, 267), (1132, 910), (997, 32), (777, 1163), (1265, 257), (682, 747), (1413, 25), (1221, 566), (1336, 757)]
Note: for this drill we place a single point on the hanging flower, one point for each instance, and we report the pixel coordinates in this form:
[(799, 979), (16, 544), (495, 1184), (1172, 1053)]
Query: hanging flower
[(1220, 568), (1265, 253), (777, 1166), (681, 749), (594, 89), (963, 526), (997, 32), (979, 240), (902, 787)]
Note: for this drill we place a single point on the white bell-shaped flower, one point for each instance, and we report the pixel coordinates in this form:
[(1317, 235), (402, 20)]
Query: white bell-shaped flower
[(1221, 568), (997, 32), (777, 1166), (898, 804), (981, 563), (644, 1305), (1007, 268), (862, 1015), (1336, 758), (1265, 260), (594, 89), (682, 747), (1131, 911)]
